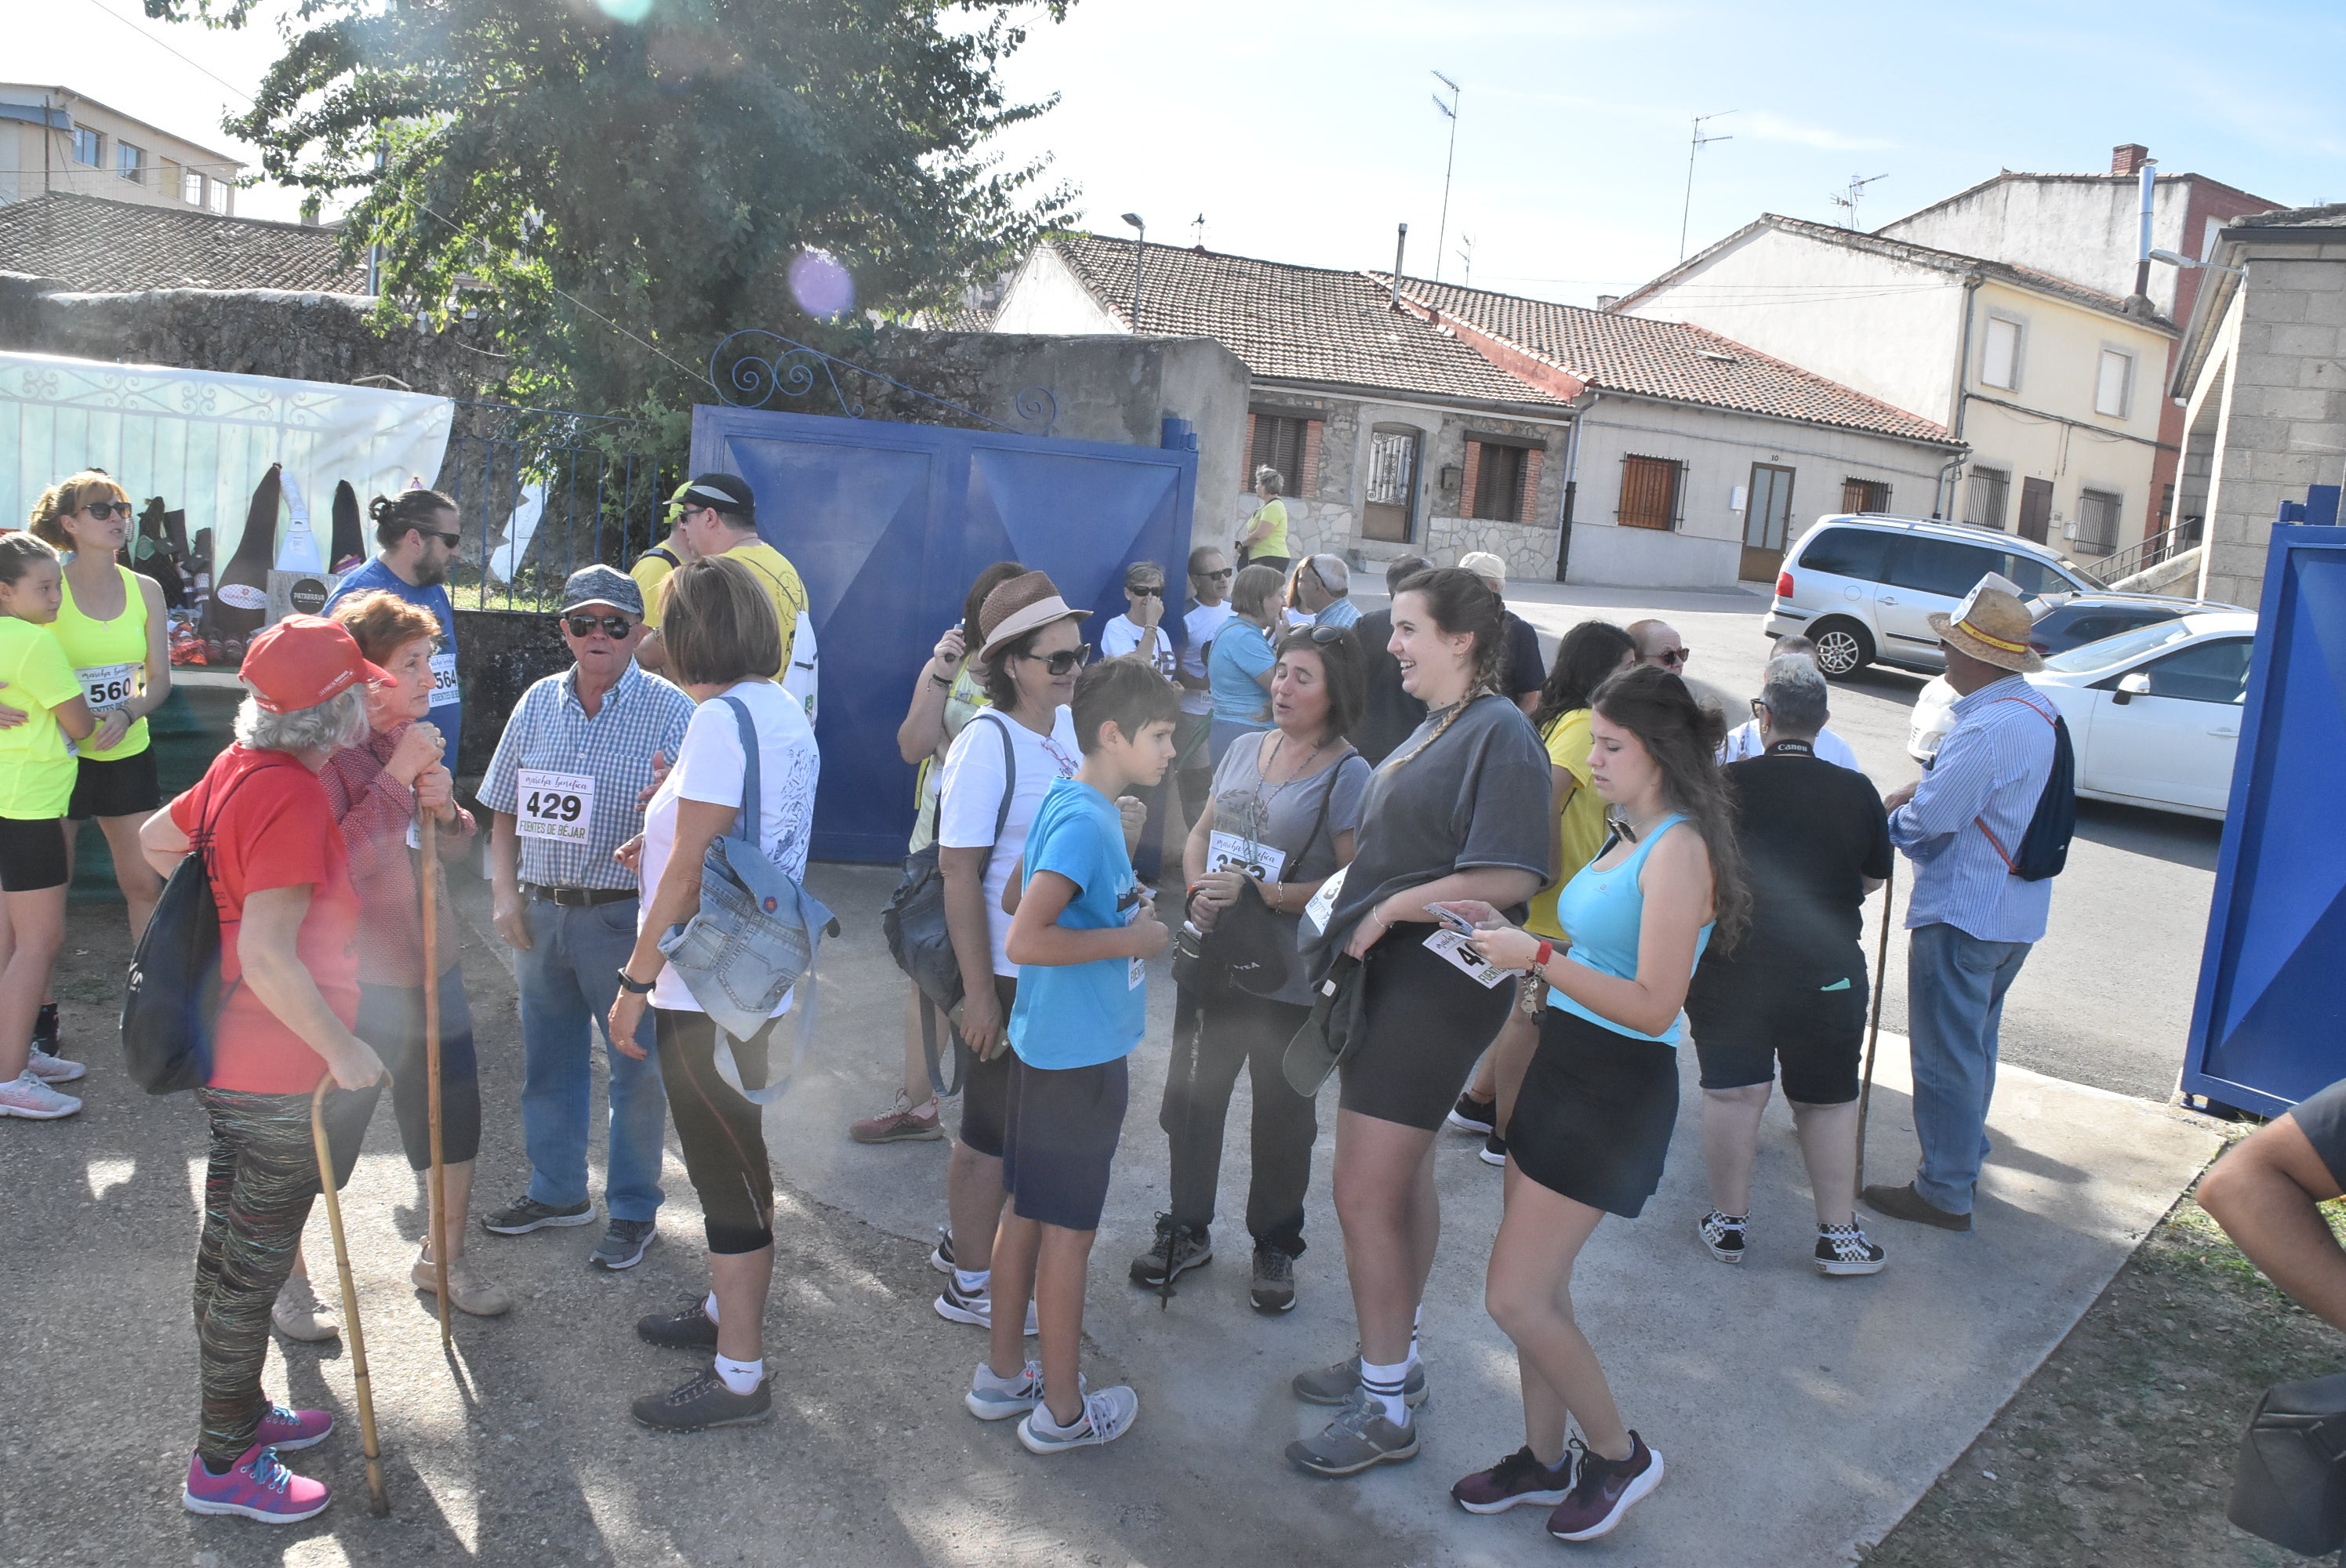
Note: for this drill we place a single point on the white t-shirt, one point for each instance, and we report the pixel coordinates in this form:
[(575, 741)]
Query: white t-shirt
[(708, 768), (803, 678), (1122, 635), (972, 795), (1201, 623), (1745, 742)]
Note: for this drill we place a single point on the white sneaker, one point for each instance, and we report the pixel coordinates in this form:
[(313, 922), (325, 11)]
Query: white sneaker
[(26, 1096), (53, 1069), (994, 1399), (1107, 1416)]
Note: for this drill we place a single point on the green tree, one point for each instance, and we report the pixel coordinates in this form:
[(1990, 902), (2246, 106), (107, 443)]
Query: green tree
[(616, 184)]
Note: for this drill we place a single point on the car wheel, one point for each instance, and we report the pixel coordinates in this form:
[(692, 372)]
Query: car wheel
[(1843, 647)]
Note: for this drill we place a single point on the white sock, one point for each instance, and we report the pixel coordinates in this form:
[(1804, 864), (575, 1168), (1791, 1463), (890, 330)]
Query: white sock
[(741, 1376), (709, 1306), (1416, 1322), (1384, 1384), (974, 1282)]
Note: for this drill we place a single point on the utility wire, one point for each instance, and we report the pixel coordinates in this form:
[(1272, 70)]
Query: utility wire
[(159, 42)]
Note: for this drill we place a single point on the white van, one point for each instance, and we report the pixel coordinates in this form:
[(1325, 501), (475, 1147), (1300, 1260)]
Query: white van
[(1862, 588)]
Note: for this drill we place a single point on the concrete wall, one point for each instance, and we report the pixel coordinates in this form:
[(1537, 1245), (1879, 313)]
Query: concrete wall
[(1719, 448), (1044, 296)]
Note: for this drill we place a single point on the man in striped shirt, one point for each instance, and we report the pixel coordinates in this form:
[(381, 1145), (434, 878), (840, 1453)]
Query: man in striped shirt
[(1971, 919)]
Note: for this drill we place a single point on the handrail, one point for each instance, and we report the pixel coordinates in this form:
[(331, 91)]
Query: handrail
[(2111, 570)]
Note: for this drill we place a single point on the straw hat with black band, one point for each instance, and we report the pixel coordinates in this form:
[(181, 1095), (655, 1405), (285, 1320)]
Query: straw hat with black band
[(1993, 626), (1020, 605)]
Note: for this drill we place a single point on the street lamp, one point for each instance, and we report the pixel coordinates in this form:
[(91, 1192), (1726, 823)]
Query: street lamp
[(1139, 239), (2173, 260)]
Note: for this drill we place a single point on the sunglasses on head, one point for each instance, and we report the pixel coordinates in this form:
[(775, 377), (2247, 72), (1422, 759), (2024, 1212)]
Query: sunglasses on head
[(1155, 592), (1060, 663), (102, 510), (1326, 635), (614, 626)]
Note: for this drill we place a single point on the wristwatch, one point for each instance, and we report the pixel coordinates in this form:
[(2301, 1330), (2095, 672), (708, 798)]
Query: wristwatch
[(634, 987)]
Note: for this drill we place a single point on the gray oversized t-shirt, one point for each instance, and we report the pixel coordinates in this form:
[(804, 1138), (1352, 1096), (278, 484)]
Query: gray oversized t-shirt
[(1477, 796), (1283, 816)]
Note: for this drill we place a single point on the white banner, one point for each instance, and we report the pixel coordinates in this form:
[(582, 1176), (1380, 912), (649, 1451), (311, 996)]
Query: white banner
[(203, 439)]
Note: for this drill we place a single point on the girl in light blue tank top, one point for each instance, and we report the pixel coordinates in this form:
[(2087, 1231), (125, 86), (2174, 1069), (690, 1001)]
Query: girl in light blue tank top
[(1602, 910)]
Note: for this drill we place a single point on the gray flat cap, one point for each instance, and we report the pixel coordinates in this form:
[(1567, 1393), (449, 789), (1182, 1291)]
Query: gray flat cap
[(601, 585)]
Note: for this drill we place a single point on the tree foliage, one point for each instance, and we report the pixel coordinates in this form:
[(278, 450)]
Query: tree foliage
[(616, 184)]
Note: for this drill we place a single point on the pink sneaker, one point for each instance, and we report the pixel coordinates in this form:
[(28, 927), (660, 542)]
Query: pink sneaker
[(259, 1487), (290, 1430)]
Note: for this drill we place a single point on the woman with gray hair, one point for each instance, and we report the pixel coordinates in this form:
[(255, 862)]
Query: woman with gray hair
[(288, 970), (1791, 997)]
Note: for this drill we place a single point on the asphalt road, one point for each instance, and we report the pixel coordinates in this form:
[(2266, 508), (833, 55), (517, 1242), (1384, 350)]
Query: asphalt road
[(2106, 997)]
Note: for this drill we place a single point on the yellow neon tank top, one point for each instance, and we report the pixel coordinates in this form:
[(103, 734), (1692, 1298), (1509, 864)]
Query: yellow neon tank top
[(110, 659)]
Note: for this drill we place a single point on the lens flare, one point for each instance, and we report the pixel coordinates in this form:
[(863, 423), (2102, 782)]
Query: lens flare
[(628, 11), (821, 285)]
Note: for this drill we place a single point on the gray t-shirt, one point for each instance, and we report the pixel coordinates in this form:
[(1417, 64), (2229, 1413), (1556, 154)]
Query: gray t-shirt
[(1283, 817), (1477, 796)]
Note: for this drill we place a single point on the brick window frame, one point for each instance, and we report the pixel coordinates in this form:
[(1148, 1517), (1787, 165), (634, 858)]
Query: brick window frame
[(1287, 439)]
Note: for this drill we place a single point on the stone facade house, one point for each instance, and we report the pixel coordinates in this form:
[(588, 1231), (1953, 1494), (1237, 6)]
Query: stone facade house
[(1436, 420), (2262, 374)]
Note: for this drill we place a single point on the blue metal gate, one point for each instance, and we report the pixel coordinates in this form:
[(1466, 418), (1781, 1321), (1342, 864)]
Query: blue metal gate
[(2269, 1026), (889, 522)]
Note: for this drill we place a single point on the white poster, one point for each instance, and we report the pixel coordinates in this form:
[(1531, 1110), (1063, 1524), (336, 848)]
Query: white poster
[(202, 439)]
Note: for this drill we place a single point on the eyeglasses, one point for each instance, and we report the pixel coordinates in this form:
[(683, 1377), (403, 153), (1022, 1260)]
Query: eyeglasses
[(102, 510), (615, 627), (1060, 663), (1758, 706), (451, 540), (1156, 593)]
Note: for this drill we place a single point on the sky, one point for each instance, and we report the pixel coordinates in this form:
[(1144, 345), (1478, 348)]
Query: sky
[(1305, 130)]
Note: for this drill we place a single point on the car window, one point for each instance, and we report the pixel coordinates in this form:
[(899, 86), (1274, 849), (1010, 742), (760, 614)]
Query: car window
[(2093, 626), (2119, 650), (2216, 671), (2031, 576), (1846, 551), (1939, 567)]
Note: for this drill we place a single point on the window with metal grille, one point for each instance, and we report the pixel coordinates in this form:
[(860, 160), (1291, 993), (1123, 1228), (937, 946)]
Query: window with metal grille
[(1499, 483), (1984, 502), (1864, 495), (2097, 519), (1649, 492), (1277, 444), (88, 147), (130, 162)]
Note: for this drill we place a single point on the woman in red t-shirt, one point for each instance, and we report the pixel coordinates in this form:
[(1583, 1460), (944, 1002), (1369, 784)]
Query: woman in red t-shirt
[(289, 970)]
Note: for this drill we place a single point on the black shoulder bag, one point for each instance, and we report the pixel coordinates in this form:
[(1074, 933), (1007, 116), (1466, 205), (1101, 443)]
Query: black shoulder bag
[(920, 939), (170, 1007), (2289, 1485), (1249, 944)]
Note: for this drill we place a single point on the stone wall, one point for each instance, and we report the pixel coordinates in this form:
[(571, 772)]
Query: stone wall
[(500, 654)]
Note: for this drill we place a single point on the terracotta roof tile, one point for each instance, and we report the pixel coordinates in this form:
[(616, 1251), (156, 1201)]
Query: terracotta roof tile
[(120, 246)]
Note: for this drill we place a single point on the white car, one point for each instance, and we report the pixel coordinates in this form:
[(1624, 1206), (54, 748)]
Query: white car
[(2154, 713)]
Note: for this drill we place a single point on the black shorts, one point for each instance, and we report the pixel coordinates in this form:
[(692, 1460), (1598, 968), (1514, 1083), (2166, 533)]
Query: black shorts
[(1745, 1033), (126, 786), (985, 1085), (32, 855), (1065, 1125), (1594, 1117), (390, 1019), (1428, 1024)]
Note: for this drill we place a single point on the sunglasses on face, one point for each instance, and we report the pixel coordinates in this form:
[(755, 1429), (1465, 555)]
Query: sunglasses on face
[(1156, 593), (1060, 663), (615, 627), (102, 510), (1224, 575), (451, 540), (1673, 657)]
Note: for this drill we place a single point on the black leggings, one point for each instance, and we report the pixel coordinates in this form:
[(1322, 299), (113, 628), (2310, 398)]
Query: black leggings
[(723, 1141), (390, 1019), (1234, 1031)]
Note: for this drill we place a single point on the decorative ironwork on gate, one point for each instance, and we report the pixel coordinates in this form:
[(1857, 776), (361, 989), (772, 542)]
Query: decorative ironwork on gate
[(753, 367)]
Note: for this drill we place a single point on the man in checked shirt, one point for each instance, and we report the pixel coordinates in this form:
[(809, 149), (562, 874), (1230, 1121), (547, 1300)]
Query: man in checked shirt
[(576, 756)]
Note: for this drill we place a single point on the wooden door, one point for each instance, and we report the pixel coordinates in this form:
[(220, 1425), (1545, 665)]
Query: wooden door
[(1767, 517), (2035, 508)]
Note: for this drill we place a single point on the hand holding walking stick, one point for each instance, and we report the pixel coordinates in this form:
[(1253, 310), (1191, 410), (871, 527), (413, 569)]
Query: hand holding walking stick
[(378, 1500), (427, 864), (1874, 1023)]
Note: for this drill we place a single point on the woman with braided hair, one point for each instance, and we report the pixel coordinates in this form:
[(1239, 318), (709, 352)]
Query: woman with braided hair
[(1459, 810)]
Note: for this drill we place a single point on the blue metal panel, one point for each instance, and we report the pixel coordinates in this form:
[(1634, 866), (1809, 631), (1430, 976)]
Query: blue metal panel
[(888, 523), (2269, 1026)]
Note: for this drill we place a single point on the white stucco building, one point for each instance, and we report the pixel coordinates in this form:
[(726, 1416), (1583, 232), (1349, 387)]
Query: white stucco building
[(2053, 385), (55, 140)]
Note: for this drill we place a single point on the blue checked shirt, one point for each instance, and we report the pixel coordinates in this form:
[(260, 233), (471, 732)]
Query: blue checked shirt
[(1990, 769), (549, 731)]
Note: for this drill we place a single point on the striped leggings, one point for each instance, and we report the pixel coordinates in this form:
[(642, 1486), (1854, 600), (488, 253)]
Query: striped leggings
[(262, 1177)]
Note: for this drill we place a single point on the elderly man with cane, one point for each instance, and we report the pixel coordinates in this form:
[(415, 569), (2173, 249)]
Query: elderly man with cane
[(1790, 997), (1973, 915)]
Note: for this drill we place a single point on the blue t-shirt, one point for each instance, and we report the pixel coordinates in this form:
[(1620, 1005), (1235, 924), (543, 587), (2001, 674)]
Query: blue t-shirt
[(1241, 653), (1081, 1014), (447, 713)]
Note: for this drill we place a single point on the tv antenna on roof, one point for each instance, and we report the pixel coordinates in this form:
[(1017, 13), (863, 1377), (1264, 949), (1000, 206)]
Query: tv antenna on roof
[(1847, 199), (1466, 254), (1699, 142), (1197, 227), (1450, 113)]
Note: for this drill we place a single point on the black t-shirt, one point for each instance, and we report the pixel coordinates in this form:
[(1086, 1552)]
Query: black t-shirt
[(1390, 715), (1525, 673), (1811, 833)]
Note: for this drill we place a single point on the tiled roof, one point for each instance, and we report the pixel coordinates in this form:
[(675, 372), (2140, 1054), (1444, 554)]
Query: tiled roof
[(1290, 324), (1671, 360), (1917, 255), (120, 246)]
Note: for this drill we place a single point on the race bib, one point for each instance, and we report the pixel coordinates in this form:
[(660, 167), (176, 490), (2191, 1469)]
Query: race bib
[(444, 680), (1460, 954), (1324, 903), (1236, 852), (555, 806), (108, 686)]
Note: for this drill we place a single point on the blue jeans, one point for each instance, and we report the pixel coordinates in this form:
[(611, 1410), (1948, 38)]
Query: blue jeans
[(568, 977), (1954, 1005)]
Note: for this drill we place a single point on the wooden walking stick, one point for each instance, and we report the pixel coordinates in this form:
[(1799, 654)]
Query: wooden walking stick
[(378, 1500), (1874, 1023), (429, 862)]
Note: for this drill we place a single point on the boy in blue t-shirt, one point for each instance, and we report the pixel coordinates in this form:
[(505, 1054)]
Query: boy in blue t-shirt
[(1081, 931)]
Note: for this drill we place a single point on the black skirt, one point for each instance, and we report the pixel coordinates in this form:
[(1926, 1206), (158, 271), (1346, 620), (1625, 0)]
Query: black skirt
[(1428, 1024), (1594, 1117)]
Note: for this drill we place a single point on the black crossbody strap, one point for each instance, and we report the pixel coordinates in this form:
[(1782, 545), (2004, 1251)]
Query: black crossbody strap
[(1326, 798)]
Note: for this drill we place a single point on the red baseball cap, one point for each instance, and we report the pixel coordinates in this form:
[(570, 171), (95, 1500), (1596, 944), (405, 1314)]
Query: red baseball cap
[(304, 660)]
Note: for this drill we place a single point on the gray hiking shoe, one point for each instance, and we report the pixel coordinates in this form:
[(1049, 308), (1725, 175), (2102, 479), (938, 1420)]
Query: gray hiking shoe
[(705, 1402), (1336, 1385), (1359, 1437), (1176, 1251), (623, 1244)]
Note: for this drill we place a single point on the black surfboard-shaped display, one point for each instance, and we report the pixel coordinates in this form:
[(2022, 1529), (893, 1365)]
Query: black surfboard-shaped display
[(150, 554), (239, 599), (349, 549)]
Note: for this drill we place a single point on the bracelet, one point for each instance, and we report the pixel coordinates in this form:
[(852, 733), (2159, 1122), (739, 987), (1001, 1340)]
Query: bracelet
[(946, 684), (634, 987), (1276, 896), (1540, 960)]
